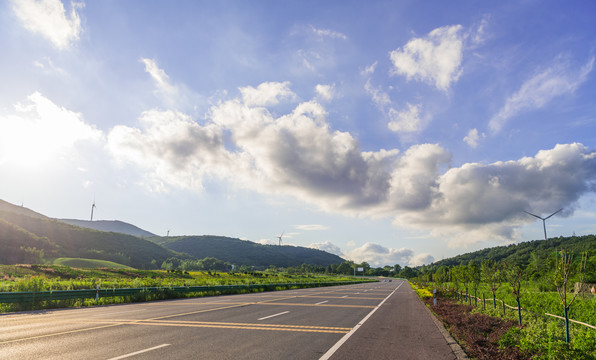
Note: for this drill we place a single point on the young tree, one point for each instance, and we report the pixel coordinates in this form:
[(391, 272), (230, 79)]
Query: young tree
[(475, 278), (565, 269), (492, 274), (515, 276)]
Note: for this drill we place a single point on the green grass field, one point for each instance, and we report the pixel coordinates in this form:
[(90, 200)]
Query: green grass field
[(88, 263)]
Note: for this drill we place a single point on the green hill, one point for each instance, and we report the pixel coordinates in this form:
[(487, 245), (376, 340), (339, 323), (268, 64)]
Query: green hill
[(241, 252), (524, 253), (28, 239), (89, 263)]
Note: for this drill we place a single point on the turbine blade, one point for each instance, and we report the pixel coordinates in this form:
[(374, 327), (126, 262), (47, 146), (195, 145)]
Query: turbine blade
[(529, 213), (553, 213)]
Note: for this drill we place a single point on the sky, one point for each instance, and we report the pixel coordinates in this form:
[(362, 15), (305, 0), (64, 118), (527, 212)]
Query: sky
[(392, 132)]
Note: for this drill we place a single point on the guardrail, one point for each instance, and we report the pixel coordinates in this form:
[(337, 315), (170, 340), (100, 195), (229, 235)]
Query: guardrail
[(37, 296)]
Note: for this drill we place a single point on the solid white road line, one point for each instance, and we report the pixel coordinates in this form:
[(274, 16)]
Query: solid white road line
[(341, 341), (274, 315), (322, 302), (345, 296), (139, 352)]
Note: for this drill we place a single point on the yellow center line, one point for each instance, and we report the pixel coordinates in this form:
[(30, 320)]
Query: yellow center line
[(213, 323), (269, 328), (59, 333)]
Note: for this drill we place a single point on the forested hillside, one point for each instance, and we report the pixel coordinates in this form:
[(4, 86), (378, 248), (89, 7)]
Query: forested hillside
[(30, 239), (240, 252)]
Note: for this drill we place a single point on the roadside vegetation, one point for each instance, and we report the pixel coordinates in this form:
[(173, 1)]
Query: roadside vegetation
[(507, 311), (19, 278)]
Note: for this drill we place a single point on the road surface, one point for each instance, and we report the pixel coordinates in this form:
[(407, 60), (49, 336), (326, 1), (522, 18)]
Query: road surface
[(381, 320)]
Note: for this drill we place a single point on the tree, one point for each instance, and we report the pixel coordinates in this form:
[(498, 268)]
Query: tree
[(564, 270), (515, 276), (441, 275), (475, 278), (492, 274)]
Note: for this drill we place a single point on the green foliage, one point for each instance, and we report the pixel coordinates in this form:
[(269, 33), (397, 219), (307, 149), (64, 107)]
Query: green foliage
[(240, 252), (88, 263)]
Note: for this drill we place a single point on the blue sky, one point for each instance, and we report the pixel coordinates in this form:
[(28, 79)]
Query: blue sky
[(384, 131)]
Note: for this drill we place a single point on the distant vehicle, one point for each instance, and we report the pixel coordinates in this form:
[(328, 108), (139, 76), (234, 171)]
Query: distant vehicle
[(389, 280)]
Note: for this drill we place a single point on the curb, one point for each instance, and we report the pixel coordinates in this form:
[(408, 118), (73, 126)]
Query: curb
[(455, 348)]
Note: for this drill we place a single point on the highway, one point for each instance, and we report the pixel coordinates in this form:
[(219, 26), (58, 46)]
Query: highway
[(294, 324)]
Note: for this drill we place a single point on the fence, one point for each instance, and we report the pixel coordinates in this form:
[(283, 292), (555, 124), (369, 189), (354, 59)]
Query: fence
[(522, 309), (38, 296)]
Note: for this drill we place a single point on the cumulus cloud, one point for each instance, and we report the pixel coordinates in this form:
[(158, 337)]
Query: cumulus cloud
[(298, 154), (172, 148), (435, 59), (39, 130), (377, 255), (267, 93), (327, 246), (49, 19), (473, 137), (476, 201), (556, 80), (405, 121)]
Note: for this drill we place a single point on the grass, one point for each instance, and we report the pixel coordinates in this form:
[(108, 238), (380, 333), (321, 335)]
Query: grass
[(59, 277), (88, 263)]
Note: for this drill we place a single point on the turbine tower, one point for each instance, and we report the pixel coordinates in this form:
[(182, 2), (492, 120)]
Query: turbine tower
[(544, 222), (280, 236), (92, 208)]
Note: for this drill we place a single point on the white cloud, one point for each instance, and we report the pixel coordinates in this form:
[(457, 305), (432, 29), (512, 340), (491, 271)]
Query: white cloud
[(328, 33), (379, 97), (369, 70), (172, 148), (162, 80), (405, 121), (327, 246), (435, 59), (267, 93), (297, 154), (39, 131), (473, 137), (377, 255), (49, 19), (558, 79), (421, 259), (475, 202), (312, 227), (326, 92)]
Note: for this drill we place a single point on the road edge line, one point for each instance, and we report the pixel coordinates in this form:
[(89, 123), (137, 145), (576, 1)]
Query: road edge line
[(345, 338)]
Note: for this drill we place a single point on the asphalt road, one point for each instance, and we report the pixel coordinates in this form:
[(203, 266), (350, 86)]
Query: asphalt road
[(295, 324)]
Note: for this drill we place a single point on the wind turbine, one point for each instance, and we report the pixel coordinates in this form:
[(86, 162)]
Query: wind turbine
[(92, 208), (280, 236), (543, 221)]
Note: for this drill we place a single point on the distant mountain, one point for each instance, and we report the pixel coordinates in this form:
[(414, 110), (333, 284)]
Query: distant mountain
[(109, 226), (242, 252)]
